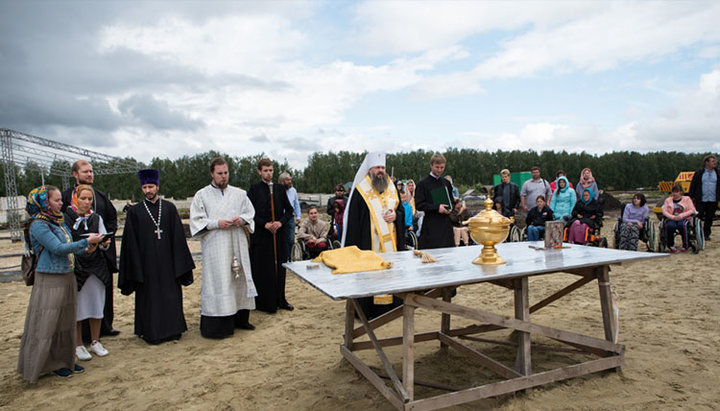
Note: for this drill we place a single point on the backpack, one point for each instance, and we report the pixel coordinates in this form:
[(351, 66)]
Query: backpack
[(29, 260)]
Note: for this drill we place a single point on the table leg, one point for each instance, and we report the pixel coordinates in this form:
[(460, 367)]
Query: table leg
[(349, 325), (608, 315), (445, 320), (409, 350), (522, 312)]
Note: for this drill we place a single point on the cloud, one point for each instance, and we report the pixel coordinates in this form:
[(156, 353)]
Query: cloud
[(601, 41), (158, 114)]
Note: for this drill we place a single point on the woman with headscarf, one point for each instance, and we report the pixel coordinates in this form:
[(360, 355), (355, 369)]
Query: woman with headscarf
[(563, 200), (587, 181), (91, 270), (585, 217), (48, 340), (410, 189)]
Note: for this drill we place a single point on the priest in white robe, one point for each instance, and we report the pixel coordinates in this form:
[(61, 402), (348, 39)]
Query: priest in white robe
[(221, 216)]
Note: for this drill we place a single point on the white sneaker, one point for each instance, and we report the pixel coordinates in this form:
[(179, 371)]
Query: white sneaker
[(82, 353), (98, 349)]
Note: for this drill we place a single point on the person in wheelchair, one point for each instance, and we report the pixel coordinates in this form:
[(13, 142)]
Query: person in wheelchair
[(586, 218), (677, 212), (313, 232), (634, 219), (537, 217)]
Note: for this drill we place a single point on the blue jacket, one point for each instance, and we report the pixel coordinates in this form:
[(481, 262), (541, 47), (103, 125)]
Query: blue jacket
[(408, 214), (54, 256), (563, 200)]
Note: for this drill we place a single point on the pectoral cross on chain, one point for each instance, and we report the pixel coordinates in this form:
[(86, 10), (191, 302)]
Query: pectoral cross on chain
[(157, 231)]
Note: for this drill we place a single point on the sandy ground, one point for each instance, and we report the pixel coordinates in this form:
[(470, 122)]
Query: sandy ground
[(669, 323)]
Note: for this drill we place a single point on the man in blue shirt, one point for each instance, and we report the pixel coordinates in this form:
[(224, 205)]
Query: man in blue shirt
[(705, 192), (286, 180)]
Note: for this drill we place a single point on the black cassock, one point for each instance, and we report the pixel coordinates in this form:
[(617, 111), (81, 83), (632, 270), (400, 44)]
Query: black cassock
[(270, 287), (358, 234), (104, 208), (436, 231), (155, 269)]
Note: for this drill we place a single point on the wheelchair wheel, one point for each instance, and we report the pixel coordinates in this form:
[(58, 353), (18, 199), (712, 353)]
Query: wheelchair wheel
[(699, 234), (335, 244), (616, 235), (662, 242), (514, 235), (411, 240), (523, 234), (603, 242), (652, 243), (297, 252)]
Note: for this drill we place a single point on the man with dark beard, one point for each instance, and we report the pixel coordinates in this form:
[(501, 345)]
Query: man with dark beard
[(83, 173), (154, 262), (374, 220)]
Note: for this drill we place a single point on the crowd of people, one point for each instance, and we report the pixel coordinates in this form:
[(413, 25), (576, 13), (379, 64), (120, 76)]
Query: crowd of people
[(246, 236)]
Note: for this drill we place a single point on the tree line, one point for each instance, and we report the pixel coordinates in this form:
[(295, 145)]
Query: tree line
[(469, 168)]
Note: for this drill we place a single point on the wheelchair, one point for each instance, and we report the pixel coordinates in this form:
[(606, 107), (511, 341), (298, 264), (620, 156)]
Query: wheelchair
[(696, 236), (515, 234), (648, 233), (594, 237), (411, 240), (299, 250)]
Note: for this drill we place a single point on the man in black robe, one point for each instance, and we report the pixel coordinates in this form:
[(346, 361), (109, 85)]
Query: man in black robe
[(268, 245), (358, 221), (154, 262), (83, 173), (433, 196)]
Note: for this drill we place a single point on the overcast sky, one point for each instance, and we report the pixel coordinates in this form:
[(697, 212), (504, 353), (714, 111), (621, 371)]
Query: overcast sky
[(174, 78)]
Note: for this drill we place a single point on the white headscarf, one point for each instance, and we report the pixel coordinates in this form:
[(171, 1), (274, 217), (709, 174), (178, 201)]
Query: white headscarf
[(373, 159)]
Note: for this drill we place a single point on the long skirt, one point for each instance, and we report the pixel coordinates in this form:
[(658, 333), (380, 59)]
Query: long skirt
[(48, 340)]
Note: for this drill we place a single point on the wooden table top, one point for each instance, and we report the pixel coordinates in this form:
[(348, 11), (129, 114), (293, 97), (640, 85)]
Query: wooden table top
[(455, 267)]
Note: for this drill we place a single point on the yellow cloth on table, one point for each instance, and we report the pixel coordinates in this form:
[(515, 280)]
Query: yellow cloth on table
[(352, 260)]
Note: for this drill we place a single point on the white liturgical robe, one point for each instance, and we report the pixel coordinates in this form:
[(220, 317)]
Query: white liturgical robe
[(222, 294)]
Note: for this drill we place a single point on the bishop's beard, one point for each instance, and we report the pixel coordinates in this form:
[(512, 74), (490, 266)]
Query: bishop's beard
[(379, 182)]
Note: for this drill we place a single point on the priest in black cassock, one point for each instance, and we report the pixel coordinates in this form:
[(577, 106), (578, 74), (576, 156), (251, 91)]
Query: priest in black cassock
[(433, 196), (374, 220), (268, 245), (154, 262)]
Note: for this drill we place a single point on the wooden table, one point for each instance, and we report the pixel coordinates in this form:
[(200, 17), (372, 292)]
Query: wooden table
[(430, 286)]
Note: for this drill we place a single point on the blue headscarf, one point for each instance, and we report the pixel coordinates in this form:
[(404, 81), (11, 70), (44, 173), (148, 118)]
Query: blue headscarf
[(582, 197)]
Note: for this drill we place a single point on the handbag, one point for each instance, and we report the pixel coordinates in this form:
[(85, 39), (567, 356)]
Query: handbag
[(28, 264), (29, 260)]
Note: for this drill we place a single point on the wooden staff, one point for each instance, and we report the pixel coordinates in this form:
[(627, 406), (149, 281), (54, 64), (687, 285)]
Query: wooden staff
[(272, 217)]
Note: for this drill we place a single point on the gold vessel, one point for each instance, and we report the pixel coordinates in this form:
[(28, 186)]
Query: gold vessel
[(488, 228)]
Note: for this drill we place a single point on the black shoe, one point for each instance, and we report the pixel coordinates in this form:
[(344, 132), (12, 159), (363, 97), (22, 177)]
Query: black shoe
[(246, 326), (63, 373), (109, 333), (77, 369), (286, 306), (267, 311)]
